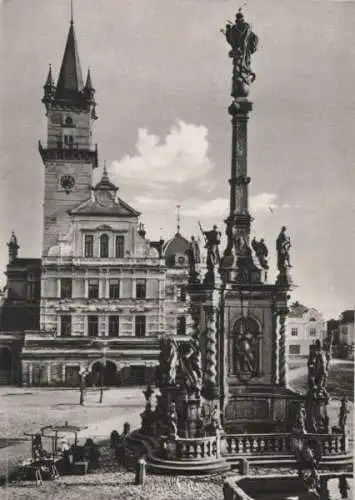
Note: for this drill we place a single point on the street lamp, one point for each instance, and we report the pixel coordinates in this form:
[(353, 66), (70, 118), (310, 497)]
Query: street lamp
[(102, 365), (83, 372)]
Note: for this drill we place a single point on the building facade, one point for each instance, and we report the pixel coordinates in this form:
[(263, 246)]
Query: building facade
[(347, 333), (104, 292), (304, 326)]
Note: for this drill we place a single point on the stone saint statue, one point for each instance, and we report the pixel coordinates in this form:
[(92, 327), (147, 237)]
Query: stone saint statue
[(193, 254), (190, 363), (261, 252), (343, 413), (244, 357), (168, 360), (243, 43), (283, 245), (321, 366), (172, 420), (213, 239)]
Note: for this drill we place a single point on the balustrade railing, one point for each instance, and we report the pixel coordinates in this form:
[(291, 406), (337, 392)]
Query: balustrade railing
[(249, 444), (192, 449)]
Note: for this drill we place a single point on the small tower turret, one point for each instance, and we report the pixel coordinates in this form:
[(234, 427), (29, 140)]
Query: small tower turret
[(89, 89), (49, 88), (13, 248)]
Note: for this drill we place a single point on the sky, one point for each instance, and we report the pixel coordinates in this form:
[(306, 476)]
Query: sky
[(163, 77)]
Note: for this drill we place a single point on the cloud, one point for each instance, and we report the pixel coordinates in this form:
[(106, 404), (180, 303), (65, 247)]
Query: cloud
[(180, 158), (214, 208), (260, 203)]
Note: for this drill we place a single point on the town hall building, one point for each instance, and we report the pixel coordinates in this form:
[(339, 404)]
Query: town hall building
[(102, 294)]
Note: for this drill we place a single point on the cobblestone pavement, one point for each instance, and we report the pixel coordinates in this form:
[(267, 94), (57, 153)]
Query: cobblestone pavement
[(114, 482), (28, 410)]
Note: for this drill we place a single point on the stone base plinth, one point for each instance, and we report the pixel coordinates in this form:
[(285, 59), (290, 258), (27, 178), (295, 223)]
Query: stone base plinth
[(260, 409)]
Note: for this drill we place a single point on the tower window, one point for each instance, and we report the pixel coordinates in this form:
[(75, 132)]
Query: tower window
[(312, 332), (114, 289), (93, 289), (140, 326), (65, 288), (141, 289), (114, 326), (65, 325), (294, 332), (119, 246), (89, 245), (93, 326), (104, 245)]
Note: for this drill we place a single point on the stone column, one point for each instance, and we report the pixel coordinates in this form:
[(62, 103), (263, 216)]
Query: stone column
[(210, 377), (275, 352), (282, 349), (195, 313)]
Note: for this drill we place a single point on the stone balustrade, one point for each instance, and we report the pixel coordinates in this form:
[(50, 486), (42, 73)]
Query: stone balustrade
[(203, 448), (249, 444), (109, 261)]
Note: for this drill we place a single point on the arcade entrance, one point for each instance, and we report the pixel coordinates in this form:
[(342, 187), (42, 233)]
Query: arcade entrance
[(5, 365)]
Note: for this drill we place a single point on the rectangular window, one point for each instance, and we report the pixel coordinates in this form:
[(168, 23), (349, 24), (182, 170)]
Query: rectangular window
[(295, 349), (114, 289), (68, 140), (140, 327), (114, 326), (31, 290), (294, 332), (141, 289), (93, 326), (181, 293), (89, 245), (65, 288), (65, 326), (181, 325), (119, 246), (312, 332), (93, 289)]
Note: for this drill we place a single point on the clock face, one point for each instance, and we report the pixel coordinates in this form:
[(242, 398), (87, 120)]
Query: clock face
[(67, 182)]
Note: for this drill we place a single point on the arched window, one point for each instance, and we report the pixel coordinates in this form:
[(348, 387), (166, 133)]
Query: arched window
[(244, 343), (68, 121), (104, 245)]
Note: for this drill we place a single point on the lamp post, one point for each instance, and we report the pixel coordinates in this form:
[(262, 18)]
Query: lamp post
[(102, 365), (83, 372)]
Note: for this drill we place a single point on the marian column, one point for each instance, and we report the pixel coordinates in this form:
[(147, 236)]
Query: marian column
[(237, 264)]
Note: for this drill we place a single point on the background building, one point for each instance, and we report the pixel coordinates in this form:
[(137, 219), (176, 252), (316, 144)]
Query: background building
[(347, 334), (304, 326)]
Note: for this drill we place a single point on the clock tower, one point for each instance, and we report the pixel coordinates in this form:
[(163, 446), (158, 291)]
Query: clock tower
[(69, 156)]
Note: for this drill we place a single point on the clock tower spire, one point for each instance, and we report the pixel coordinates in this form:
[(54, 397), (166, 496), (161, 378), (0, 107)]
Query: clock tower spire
[(68, 156)]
